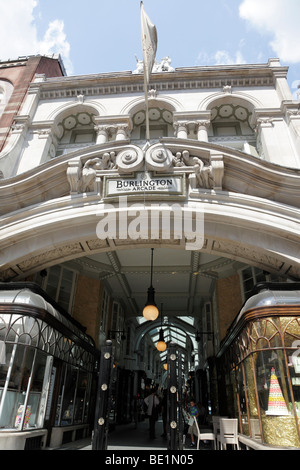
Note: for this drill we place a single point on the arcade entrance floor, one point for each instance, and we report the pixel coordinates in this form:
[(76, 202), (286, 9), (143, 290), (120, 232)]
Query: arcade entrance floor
[(127, 437)]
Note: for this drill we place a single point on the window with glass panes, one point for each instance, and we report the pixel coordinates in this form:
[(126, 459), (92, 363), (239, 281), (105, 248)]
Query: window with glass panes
[(117, 322), (104, 310), (59, 283), (250, 276)]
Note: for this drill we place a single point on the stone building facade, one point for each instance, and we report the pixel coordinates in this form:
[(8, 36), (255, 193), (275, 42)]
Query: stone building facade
[(81, 190)]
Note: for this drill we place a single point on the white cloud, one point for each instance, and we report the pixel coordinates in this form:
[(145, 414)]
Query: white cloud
[(221, 57), (18, 33), (55, 41), (278, 18), (225, 58)]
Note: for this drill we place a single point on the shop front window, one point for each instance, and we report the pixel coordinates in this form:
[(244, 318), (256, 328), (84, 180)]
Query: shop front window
[(264, 347), (80, 414), (276, 401), (39, 389), (294, 364), (269, 388), (272, 382), (25, 381), (69, 396), (73, 397), (22, 382), (292, 343), (243, 401), (29, 348)]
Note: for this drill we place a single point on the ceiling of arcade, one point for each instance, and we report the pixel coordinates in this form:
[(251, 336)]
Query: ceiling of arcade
[(183, 280)]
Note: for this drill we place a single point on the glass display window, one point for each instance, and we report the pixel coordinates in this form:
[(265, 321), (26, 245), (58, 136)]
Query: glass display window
[(23, 390), (73, 401), (45, 376), (263, 354)]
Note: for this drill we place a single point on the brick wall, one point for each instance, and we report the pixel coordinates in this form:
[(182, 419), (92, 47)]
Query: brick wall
[(21, 73), (229, 300), (87, 299)]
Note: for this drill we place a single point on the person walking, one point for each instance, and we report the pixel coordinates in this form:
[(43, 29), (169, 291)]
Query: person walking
[(193, 412), (152, 403)]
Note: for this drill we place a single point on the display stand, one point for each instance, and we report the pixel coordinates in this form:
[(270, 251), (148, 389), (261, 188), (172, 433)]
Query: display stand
[(276, 404)]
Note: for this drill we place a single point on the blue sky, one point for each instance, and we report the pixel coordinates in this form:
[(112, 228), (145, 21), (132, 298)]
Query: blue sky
[(95, 36)]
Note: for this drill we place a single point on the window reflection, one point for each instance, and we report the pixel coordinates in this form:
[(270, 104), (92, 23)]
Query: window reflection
[(268, 380), (26, 368), (73, 397)]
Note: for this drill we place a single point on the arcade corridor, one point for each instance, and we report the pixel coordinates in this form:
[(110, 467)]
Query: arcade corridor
[(127, 437)]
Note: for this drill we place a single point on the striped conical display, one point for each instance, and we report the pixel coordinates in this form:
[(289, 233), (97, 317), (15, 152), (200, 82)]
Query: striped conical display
[(276, 404)]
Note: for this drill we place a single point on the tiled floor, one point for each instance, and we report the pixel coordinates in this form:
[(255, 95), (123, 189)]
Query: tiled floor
[(129, 437)]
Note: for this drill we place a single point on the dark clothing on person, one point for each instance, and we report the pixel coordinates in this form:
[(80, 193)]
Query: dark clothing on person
[(152, 403)]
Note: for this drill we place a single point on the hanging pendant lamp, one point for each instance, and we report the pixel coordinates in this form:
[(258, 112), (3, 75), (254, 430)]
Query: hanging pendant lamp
[(150, 311), (161, 345)]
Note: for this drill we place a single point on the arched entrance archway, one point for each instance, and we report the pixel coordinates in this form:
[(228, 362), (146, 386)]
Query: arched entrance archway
[(60, 232), (236, 228), (245, 213)]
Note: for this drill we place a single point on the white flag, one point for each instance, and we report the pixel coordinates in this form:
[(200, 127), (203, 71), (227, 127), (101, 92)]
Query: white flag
[(149, 43)]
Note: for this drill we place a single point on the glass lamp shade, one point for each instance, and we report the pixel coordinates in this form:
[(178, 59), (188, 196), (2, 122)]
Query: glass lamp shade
[(150, 312), (161, 346)]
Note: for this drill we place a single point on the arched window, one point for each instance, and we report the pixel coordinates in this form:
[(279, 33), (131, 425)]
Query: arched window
[(231, 125), (76, 130), (160, 123), (6, 89)]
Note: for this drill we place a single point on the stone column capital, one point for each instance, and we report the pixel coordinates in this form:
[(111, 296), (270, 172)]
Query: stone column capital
[(203, 123)]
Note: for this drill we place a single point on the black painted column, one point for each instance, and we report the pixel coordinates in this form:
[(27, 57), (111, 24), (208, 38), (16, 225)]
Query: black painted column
[(172, 397), (99, 441)]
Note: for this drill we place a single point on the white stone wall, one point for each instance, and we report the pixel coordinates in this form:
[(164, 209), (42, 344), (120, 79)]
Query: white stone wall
[(114, 100), (251, 200)]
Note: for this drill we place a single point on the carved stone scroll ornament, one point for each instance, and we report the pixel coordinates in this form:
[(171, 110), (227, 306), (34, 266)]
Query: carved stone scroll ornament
[(159, 158), (130, 160)]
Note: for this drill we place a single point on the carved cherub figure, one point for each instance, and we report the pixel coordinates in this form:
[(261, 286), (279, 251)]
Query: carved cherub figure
[(203, 172), (107, 161)]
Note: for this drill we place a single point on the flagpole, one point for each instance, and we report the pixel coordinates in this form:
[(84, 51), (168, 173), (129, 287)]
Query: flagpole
[(149, 45), (146, 97), (147, 109)]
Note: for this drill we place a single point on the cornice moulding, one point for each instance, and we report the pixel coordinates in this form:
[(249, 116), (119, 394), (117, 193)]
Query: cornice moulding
[(182, 78)]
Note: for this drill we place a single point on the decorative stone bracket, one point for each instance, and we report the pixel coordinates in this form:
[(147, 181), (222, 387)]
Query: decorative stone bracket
[(208, 176), (86, 175)]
